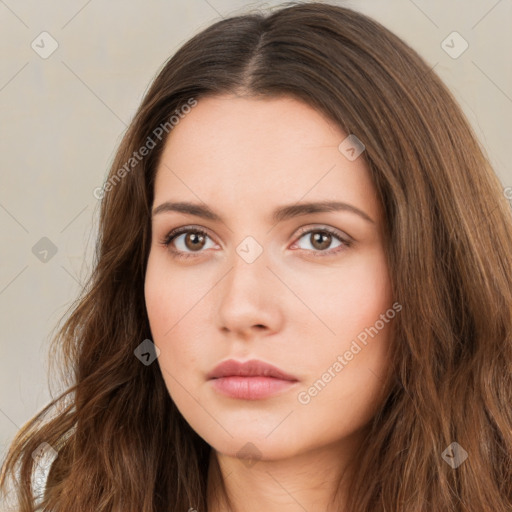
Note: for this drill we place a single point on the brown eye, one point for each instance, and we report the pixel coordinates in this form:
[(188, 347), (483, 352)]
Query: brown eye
[(321, 239), (194, 241), (186, 242)]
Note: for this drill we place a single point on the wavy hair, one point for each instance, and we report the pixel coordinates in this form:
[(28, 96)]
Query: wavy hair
[(122, 444)]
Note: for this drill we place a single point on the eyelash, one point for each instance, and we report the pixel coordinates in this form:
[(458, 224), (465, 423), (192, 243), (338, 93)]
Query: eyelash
[(189, 229)]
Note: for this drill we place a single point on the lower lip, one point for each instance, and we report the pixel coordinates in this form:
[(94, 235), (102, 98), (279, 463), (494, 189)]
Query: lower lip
[(251, 388)]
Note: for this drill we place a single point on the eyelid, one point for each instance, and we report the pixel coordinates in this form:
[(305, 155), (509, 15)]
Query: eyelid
[(174, 233), (324, 227)]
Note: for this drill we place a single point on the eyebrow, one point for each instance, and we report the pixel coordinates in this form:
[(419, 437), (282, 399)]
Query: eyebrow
[(280, 214)]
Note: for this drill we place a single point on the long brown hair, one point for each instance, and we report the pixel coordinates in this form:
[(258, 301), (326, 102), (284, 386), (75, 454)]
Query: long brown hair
[(121, 443)]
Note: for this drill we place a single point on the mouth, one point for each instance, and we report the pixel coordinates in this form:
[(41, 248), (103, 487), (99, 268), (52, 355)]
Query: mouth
[(252, 380)]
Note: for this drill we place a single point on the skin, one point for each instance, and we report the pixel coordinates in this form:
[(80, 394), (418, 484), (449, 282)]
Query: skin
[(244, 157)]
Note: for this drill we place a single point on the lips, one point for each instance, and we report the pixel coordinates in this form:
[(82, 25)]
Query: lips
[(252, 380), (253, 368)]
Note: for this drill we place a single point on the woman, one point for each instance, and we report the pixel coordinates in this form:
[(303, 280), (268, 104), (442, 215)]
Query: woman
[(341, 340)]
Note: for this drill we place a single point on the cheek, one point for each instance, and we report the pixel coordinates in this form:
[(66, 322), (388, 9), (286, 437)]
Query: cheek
[(357, 307), (353, 296), (166, 296), (172, 303)]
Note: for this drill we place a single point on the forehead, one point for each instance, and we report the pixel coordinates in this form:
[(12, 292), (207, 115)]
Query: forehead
[(249, 150), (279, 123)]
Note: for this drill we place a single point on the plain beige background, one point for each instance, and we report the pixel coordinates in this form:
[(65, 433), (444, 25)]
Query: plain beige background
[(63, 117)]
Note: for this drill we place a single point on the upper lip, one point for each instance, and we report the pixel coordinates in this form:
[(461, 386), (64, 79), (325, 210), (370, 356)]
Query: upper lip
[(252, 368)]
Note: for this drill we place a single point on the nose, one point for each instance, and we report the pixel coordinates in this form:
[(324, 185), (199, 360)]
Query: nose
[(250, 299)]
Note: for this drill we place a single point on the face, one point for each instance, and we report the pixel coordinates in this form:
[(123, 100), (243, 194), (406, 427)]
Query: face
[(244, 277)]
